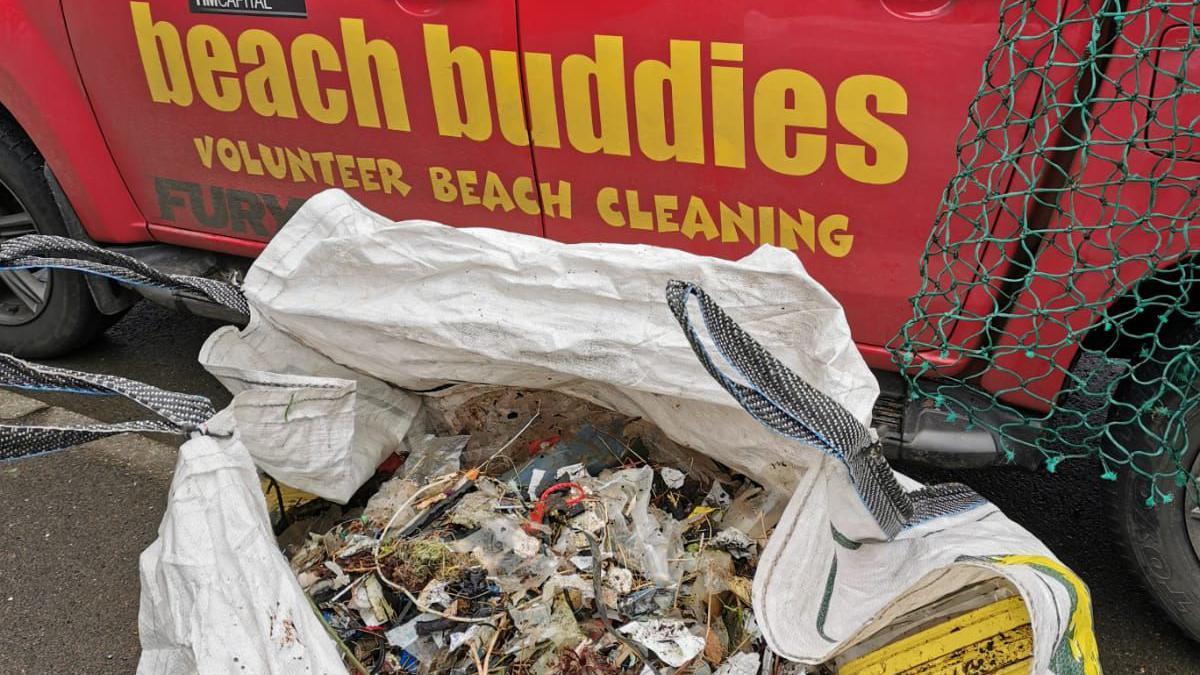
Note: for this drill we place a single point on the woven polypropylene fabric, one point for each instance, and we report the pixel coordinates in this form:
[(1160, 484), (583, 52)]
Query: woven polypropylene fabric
[(186, 411), (782, 401), (178, 413), (37, 250), (19, 442)]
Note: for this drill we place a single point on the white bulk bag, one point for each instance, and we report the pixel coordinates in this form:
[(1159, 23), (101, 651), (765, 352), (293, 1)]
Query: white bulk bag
[(357, 302)]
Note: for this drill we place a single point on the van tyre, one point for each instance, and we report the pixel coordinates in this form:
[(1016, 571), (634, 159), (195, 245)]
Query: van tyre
[(43, 313), (1162, 542)]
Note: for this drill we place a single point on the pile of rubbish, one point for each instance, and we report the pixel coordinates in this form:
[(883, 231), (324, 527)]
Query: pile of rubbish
[(585, 543)]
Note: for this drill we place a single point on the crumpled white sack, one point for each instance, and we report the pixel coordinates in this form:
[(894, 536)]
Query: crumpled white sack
[(217, 594), (270, 371), (418, 304), (818, 593)]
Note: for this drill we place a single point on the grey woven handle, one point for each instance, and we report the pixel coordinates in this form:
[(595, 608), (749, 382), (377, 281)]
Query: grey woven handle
[(175, 413), (782, 401), (38, 251)]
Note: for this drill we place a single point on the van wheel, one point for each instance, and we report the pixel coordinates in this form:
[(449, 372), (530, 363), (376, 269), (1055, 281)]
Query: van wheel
[(1161, 542), (43, 313)]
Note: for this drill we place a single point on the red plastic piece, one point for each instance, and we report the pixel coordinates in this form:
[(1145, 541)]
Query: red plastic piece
[(539, 509)]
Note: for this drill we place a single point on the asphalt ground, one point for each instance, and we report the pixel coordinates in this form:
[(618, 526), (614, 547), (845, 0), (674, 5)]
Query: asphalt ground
[(74, 522)]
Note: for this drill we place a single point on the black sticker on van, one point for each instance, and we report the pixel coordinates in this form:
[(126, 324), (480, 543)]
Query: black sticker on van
[(293, 8)]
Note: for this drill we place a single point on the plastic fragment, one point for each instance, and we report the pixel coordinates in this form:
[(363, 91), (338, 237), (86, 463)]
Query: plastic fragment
[(737, 543), (535, 483), (472, 510), (669, 639), (572, 472), (391, 496), (673, 478), (340, 578), (718, 497), (742, 663), (370, 603), (434, 456), (406, 634)]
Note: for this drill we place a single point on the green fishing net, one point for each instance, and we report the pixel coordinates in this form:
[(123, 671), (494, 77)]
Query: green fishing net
[(1058, 281)]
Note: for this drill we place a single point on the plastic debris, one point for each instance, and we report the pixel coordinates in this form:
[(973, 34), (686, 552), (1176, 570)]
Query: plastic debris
[(392, 495), (432, 456), (737, 543), (673, 478), (740, 664), (668, 638), (586, 557)]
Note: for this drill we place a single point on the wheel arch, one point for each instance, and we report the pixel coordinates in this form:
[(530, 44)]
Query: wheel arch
[(43, 95)]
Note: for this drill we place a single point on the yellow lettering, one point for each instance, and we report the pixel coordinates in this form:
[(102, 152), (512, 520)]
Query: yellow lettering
[(638, 219), (324, 162), (443, 63), (775, 119), (360, 55), (253, 166), (789, 229), (345, 165), (495, 195), (729, 110), (732, 222), (213, 68), (543, 109), (608, 71), (525, 196), (390, 174), (650, 81), (557, 205), (833, 241), (510, 110), (166, 86), (766, 225), (268, 87), (311, 53), (366, 172), (664, 211), (697, 220), (273, 159), (467, 180), (443, 188), (606, 202), (891, 150), (227, 152), (300, 165), (204, 148)]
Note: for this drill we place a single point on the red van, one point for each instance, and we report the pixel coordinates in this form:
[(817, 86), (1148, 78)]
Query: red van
[(186, 132)]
